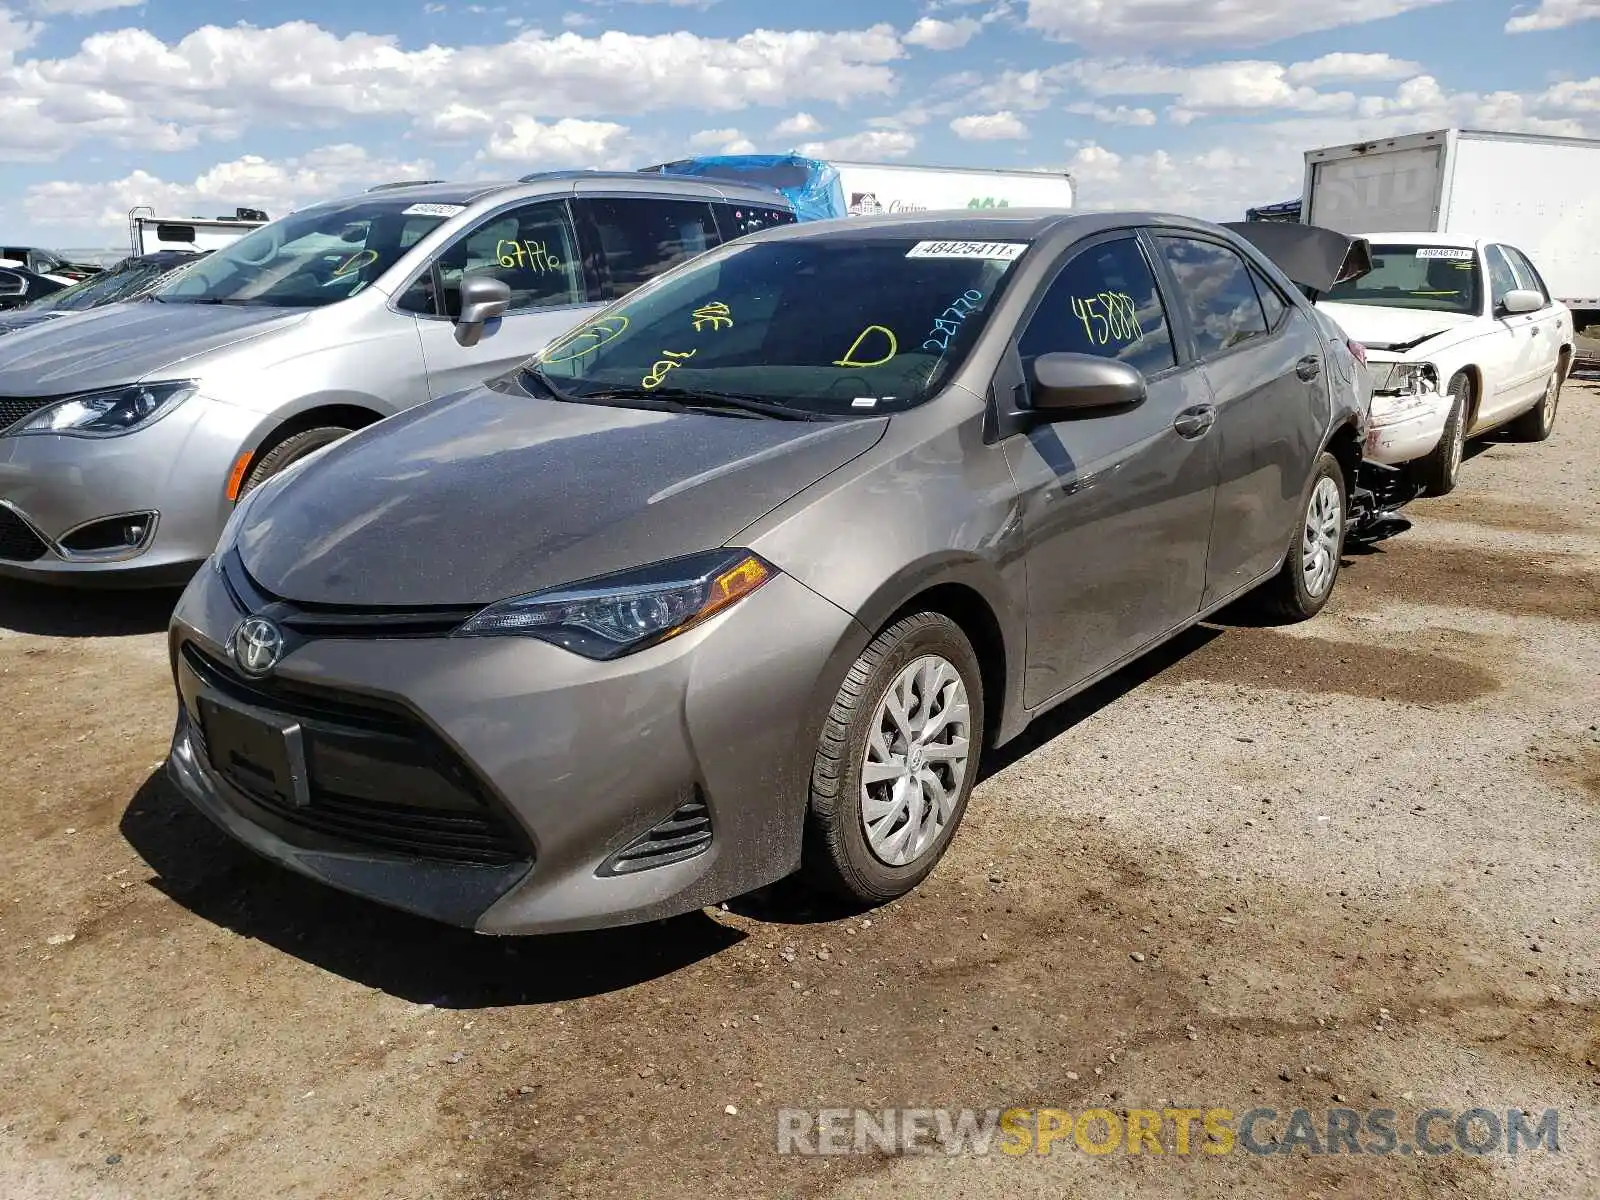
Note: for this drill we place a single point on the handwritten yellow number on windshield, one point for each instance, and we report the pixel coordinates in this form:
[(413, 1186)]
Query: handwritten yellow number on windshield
[(850, 359), (355, 262), (715, 315), (584, 340), (659, 368)]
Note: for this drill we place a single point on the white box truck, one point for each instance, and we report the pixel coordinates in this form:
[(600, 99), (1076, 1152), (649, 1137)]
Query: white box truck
[(893, 187), (1540, 194), (148, 233)]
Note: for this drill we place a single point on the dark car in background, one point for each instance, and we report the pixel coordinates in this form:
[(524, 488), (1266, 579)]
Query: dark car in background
[(127, 280), (19, 286), (744, 573)]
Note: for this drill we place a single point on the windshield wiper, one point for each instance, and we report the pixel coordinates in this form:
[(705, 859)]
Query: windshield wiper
[(694, 400)]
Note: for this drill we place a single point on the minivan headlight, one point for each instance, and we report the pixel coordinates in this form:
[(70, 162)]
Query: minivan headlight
[(109, 413), (615, 615)]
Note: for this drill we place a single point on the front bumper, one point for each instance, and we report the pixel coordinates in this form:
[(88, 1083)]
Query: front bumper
[(172, 475), (1405, 428), (573, 761)]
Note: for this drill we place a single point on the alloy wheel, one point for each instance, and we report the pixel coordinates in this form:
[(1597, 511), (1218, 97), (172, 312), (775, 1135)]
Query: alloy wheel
[(916, 760)]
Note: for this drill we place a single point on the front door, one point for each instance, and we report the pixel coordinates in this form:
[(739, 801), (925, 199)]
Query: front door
[(534, 249), (1116, 506), (1516, 378), (1264, 360), (1548, 329)]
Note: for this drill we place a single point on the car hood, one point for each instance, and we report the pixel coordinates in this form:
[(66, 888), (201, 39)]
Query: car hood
[(490, 494), (1381, 328), (123, 343), (12, 322)]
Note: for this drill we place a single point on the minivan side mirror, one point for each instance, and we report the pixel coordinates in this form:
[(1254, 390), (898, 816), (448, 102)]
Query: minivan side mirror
[(1521, 300), (1067, 385), (483, 298)]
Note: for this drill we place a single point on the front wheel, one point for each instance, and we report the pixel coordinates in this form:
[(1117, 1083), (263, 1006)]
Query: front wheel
[(896, 761), (1302, 587), (1441, 470), (291, 449)]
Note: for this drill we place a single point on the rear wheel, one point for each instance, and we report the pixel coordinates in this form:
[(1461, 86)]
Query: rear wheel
[(896, 762), (1303, 586), (291, 449), (1441, 470), (1539, 422)]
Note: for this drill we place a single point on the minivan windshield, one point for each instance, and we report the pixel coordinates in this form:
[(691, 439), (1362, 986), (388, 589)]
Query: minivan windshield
[(1432, 278), (827, 326), (311, 258)]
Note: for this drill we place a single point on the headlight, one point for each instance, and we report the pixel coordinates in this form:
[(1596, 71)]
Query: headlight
[(109, 413), (618, 614), (1406, 378)]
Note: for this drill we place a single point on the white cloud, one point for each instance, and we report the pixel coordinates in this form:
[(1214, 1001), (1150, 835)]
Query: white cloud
[(1238, 86), (802, 124), (989, 127), (277, 186), (1121, 114), (79, 8), (1554, 14), (1345, 66), (569, 142), (871, 144), (1201, 22), (721, 141), (933, 34), (129, 87)]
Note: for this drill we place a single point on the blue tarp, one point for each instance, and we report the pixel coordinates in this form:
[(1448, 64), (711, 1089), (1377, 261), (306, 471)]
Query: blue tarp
[(810, 185)]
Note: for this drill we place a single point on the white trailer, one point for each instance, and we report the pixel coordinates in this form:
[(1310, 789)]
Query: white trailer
[(892, 187), (148, 233), (1538, 193)]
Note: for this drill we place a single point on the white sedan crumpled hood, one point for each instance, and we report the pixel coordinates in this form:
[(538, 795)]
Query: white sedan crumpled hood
[(1376, 326)]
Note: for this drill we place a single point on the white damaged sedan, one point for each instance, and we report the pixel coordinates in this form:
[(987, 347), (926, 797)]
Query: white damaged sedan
[(1462, 337)]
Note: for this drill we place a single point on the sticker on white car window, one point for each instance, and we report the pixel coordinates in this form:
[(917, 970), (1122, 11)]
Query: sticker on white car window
[(1003, 251), (1442, 252), (434, 210)]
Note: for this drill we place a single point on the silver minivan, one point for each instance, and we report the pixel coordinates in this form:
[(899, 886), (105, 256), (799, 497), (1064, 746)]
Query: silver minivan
[(128, 434)]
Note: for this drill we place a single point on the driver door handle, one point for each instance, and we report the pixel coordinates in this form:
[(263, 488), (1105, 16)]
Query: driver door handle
[(1194, 422), (1309, 367)]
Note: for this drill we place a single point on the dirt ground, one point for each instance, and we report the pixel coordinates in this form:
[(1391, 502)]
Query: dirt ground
[(1353, 862)]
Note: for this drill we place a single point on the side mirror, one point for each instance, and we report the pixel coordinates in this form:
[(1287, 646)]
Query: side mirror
[(1521, 300), (1069, 385), (483, 298)]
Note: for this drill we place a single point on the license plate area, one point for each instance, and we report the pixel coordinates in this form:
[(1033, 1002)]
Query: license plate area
[(261, 754)]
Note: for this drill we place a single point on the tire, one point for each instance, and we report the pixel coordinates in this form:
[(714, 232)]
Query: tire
[(1539, 422), (842, 856), (1441, 470), (1311, 568), (289, 450)]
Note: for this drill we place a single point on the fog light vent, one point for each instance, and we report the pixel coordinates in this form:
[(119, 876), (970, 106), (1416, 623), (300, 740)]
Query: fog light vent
[(111, 535), (686, 833)]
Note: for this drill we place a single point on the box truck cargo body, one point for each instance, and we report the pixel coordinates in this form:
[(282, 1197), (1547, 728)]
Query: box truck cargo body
[(892, 188), (1540, 194)]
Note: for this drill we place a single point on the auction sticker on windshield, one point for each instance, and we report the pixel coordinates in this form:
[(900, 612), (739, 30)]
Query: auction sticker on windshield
[(1442, 252), (1003, 251), (434, 210)]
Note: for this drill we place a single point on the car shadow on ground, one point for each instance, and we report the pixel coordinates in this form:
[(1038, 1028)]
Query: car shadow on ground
[(82, 613), (206, 872)]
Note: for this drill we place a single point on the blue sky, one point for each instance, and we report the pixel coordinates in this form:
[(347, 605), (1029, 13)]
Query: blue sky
[(1198, 105)]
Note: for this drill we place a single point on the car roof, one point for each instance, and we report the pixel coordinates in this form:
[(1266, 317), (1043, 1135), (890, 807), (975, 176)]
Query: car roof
[(609, 182), (1424, 238), (987, 224)]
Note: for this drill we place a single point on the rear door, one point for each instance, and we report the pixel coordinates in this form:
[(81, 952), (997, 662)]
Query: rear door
[(1116, 506), (1265, 362)]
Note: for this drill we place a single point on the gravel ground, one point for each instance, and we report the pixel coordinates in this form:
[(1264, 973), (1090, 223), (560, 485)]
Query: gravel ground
[(1353, 862)]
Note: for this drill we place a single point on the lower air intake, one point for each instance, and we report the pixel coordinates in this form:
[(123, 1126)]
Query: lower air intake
[(686, 833)]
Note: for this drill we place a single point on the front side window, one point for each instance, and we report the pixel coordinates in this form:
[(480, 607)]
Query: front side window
[(1104, 302), (309, 259), (1502, 278), (1416, 276), (534, 249), (834, 326), (1215, 289), (641, 237), (1527, 277)]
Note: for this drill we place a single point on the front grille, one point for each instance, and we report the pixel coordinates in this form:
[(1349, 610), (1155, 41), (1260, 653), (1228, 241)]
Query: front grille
[(18, 541), (686, 833), (377, 777), (14, 408), (337, 620)]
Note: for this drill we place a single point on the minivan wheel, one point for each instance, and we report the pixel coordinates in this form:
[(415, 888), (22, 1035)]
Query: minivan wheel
[(1539, 422), (1311, 568), (292, 448), (896, 761), (1441, 470)]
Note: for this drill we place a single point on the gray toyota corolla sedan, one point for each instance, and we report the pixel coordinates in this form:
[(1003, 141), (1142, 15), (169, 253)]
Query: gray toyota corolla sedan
[(741, 575)]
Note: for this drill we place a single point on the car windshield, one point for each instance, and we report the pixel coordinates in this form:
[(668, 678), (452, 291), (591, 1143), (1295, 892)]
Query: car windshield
[(311, 258), (824, 325), (1434, 278), (119, 283)]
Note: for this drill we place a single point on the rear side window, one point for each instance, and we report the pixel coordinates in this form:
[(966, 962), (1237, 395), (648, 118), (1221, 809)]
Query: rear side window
[(736, 220), (1104, 302), (640, 238), (1215, 289)]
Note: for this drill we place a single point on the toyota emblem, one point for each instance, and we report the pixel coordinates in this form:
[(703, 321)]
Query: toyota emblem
[(257, 645)]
